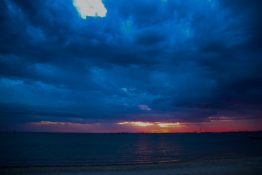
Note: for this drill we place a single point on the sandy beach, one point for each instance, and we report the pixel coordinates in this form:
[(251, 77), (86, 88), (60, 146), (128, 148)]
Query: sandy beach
[(248, 166)]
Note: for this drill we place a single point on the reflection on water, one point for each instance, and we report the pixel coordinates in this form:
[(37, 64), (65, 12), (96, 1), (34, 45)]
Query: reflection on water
[(156, 148), (99, 149)]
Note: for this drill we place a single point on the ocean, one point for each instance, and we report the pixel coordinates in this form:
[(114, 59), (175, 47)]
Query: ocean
[(65, 149)]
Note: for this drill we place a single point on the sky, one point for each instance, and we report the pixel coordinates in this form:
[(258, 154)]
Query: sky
[(130, 66)]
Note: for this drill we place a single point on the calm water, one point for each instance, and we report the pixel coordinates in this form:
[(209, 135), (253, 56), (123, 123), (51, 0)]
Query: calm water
[(27, 149)]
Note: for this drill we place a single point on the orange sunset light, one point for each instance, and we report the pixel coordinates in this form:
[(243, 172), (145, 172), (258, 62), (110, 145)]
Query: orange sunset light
[(146, 124), (212, 125)]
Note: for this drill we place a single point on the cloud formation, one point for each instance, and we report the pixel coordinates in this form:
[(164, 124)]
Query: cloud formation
[(157, 60)]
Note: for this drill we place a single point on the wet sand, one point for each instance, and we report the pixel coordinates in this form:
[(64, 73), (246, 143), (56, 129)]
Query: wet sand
[(248, 166)]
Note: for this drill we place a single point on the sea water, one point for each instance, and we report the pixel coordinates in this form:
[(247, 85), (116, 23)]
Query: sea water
[(65, 149)]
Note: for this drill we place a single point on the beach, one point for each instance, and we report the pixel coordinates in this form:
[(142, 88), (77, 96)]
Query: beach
[(247, 166)]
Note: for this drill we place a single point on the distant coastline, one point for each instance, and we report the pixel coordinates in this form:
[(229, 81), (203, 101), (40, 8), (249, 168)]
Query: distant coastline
[(46, 132)]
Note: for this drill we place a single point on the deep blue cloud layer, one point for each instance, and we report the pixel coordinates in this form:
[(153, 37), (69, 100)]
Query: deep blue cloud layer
[(151, 60)]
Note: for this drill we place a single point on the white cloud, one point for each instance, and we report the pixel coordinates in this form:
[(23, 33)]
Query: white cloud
[(93, 8), (144, 107)]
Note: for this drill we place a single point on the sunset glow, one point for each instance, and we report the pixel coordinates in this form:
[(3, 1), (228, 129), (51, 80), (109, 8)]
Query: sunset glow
[(168, 125), (140, 124), (216, 124), (146, 124)]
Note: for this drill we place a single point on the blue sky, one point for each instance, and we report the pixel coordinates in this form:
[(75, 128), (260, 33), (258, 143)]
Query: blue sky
[(145, 60)]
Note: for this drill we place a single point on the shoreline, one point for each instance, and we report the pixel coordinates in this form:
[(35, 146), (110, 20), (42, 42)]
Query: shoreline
[(206, 167)]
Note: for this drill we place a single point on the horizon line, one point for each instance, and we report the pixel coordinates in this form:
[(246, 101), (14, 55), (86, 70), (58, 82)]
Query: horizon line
[(57, 132)]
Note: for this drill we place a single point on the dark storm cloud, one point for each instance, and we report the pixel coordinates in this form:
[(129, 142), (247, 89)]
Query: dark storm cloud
[(185, 61)]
